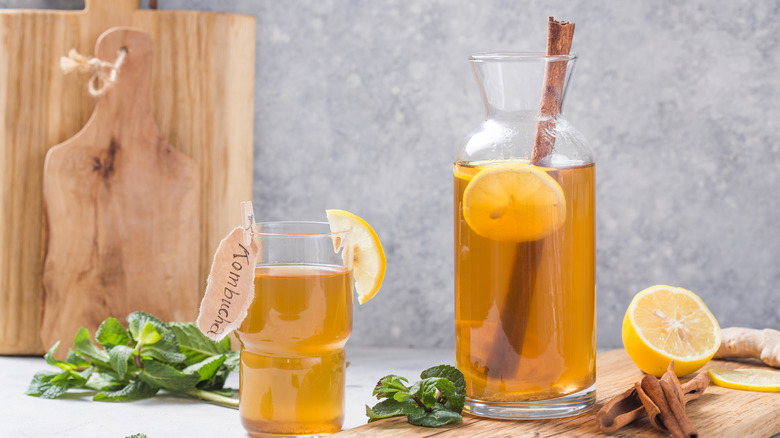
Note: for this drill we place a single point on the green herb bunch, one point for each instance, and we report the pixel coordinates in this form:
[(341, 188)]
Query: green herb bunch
[(434, 401), (137, 362)]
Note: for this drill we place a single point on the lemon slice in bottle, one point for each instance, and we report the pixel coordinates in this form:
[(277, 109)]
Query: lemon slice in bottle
[(514, 202), (369, 263), (747, 379), (665, 323)]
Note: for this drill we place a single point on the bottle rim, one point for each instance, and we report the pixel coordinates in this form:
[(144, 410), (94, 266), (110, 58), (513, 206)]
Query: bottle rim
[(509, 56)]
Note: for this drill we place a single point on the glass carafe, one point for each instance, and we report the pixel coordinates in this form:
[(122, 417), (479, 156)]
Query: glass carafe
[(524, 249)]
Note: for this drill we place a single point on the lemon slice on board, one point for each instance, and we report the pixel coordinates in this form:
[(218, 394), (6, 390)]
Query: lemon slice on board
[(665, 323), (747, 379), (369, 263), (514, 202)]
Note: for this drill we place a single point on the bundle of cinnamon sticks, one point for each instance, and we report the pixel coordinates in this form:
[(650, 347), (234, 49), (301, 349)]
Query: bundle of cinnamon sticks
[(663, 400)]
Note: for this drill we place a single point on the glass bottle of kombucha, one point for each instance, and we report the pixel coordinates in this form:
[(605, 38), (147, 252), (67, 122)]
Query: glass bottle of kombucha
[(524, 250)]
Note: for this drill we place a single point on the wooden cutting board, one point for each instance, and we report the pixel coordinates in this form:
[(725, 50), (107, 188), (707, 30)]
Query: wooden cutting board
[(202, 93), (121, 209), (720, 412)]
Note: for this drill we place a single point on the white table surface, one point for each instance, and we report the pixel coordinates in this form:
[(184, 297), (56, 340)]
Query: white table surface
[(166, 417)]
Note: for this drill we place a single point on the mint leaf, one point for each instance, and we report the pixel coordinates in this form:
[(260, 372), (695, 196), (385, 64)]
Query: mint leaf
[(391, 408), (119, 355), (49, 356), (429, 390), (448, 390), (450, 373), (42, 386), (149, 335), (103, 382), (77, 360), (111, 333), (389, 385), (401, 396), (426, 390), (455, 395), (160, 375), (136, 322), (206, 368), (439, 416), (163, 351), (217, 381), (84, 346), (195, 345), (52, 384), (135, 390), (233, 360)]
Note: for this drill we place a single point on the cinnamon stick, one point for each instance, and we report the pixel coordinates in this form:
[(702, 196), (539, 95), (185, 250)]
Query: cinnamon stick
[(695, 387), (503, 364), (671, 378), (559, 38), (661, 416), (674, 400), (620, 411), (634, 403)]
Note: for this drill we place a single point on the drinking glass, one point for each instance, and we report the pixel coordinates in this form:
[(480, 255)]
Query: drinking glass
[(293, 337)]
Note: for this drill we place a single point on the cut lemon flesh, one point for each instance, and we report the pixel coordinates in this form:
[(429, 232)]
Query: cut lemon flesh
[(514, 202), (747, 379), (368, 257), (665, 323)]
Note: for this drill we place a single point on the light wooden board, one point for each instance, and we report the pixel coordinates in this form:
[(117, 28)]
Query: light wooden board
[(720, 412), (202, 100), (121, 210)]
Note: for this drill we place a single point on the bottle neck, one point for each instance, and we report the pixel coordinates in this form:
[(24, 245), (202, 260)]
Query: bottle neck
[(512, 84)]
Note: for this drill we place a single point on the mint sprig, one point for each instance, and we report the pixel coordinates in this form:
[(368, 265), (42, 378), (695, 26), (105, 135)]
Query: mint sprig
[(138, 362), (434, 401)]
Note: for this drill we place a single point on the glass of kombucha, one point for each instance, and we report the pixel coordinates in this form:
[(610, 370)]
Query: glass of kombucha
[(293, 337), (524, 250)]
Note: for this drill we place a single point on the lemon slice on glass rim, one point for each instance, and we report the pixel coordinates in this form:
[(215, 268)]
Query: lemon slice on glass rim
[(368, 257), (665, 323), (515, 202)]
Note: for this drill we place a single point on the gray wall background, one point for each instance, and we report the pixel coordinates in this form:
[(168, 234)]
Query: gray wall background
[(361, 105)]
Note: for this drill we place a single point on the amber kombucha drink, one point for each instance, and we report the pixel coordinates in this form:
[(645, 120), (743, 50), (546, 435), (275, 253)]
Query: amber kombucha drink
[(292, 357), (524, 311)]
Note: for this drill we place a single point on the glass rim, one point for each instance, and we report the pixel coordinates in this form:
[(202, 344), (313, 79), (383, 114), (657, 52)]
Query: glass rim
[(511, 56), (299, 234)]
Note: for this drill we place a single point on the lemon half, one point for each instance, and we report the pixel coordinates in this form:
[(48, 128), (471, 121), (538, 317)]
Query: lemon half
[(665, 323), (369, 263)]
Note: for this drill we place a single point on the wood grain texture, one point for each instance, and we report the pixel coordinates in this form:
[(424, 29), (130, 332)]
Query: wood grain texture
[(202, 90), (121, 210), (720, 412)]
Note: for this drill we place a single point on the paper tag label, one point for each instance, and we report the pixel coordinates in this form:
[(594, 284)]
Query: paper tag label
[(230, 288)]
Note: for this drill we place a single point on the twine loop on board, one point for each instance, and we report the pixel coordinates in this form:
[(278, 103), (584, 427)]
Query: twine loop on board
[(104, 73)]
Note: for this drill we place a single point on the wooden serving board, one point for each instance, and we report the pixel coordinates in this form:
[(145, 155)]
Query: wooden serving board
[(202, 94), (720, 412), (121, 209)]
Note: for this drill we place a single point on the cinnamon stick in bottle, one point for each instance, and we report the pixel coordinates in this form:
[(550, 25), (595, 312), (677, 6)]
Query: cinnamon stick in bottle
[(516, 308), (559, 38)]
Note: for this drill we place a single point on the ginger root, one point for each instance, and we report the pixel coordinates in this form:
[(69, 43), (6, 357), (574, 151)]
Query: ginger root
[(745, 342)]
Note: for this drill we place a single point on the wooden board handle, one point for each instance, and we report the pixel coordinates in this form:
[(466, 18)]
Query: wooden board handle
[(128, 98)]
